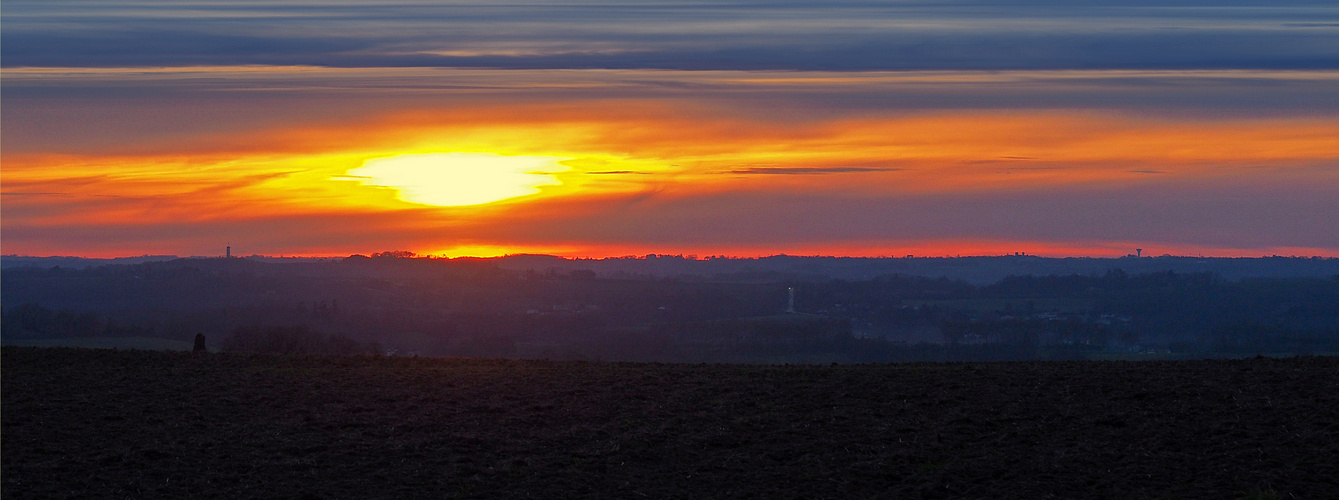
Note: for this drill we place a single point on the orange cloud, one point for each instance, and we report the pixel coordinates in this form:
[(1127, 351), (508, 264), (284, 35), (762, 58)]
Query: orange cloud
[(639, 153)]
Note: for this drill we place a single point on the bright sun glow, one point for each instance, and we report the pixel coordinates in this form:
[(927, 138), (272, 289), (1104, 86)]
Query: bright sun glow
[(459, 179)]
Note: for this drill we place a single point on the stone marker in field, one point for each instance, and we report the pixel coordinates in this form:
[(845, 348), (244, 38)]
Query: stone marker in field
[(199, 343)]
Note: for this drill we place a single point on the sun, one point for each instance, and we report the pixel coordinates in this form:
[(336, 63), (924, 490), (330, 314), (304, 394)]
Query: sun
[(459, 179)]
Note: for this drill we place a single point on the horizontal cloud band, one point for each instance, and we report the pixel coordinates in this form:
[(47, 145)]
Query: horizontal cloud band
[(799, 35)]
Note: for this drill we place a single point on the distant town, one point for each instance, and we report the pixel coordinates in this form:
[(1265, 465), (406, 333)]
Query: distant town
[(781, 309)]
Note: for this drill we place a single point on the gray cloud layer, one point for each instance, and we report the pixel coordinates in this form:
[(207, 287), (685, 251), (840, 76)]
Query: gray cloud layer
[(799, 35)]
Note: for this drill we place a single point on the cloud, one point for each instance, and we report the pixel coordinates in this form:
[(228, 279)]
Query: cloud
[(806, 170), (808, 35), (1224, 214), (172, 160)]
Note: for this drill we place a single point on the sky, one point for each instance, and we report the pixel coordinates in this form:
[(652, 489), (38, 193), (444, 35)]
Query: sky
[(600, 128)]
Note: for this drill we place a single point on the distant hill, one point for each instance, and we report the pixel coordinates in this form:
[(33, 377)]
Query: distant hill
[(976, 270), (670, 308), (14, 261), (9, 261)]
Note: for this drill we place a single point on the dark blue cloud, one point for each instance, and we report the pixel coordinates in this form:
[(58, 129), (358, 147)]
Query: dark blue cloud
[(798, 35)]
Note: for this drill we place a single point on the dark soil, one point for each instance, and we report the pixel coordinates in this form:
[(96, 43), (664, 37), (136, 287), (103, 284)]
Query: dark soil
[(104, 424)]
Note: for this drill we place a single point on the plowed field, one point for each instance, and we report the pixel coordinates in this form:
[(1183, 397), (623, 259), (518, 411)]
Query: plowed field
[(114, 424)]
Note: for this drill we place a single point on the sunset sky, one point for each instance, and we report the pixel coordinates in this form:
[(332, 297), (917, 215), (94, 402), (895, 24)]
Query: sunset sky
[(711, 128)]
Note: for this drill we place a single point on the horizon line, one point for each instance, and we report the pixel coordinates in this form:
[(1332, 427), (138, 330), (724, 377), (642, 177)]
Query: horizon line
[(687, 257)]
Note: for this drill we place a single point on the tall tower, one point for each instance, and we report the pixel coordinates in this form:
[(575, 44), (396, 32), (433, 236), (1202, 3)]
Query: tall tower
[(227, 252), (790, 306), (1138, 252)]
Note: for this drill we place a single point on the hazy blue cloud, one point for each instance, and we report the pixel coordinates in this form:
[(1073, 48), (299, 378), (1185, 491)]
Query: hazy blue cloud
[(88, 112), (1223, 214), (808, 35)]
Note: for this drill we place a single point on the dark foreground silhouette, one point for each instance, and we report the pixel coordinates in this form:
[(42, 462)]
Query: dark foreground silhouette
[(103, 423)]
